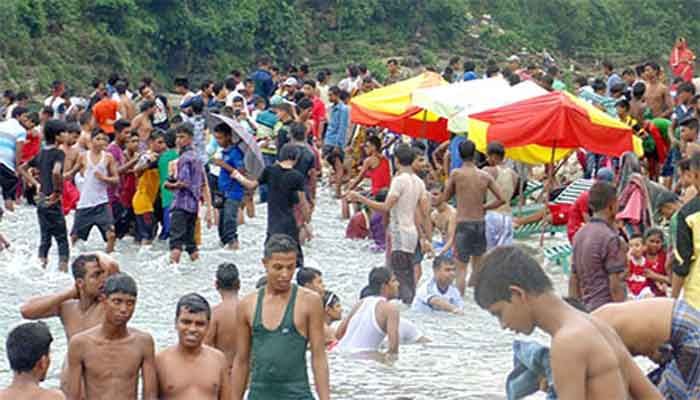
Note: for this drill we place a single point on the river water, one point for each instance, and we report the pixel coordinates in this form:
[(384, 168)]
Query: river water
[(469, 357)]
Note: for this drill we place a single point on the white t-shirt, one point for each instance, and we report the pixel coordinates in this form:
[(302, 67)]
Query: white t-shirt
[(11, 132), (54, 102), (402, 223), (430, 290)]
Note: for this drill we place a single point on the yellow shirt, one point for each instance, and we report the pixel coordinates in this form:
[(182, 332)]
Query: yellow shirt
[(146, 192)]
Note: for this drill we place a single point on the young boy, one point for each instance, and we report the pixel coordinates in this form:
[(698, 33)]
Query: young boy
[(188, 185), (637, 269), (147, 189), (232, 191), (98, 169), (166, 196), (444, 219), (70, 167), (128, 185), (28, 346), (515, 289), (52, 223)]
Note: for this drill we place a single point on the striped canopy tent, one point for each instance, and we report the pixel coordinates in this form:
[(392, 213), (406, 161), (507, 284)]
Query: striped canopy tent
[(547, 128), (390, 107)]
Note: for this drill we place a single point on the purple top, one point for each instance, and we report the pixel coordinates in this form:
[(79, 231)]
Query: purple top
[(597, 253), (118, 155), (378, 230), (191, 172)]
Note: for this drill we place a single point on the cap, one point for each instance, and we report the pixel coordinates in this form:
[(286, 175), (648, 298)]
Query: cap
[(514, 58), (605, 174), (276, 100), (290, 82)]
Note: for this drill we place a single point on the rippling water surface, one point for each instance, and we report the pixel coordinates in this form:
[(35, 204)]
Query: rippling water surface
[(468, 358)]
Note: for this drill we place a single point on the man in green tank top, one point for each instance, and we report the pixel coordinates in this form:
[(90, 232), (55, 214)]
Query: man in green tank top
[(275, 326)]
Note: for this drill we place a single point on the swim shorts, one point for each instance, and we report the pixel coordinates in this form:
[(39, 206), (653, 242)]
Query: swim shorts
[(499, 229), (330, 153), (99, 216), (182, 230), (8, 183), (402, 266), (680, 377), (470, 239)]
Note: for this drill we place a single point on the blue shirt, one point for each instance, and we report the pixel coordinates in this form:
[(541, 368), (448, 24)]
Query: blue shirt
[(469, 76), (455, 158), (430, 290), (229, 187), (337, 126), (264, 86)]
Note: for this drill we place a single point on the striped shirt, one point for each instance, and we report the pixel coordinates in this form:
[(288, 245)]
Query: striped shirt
[(11, 132)]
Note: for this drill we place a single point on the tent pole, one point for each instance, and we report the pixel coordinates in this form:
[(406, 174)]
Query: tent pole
[(550, 182)]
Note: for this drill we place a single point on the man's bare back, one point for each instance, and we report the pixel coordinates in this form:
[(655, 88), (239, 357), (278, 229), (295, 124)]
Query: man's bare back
[(470, 185), (30, 392), (222, 330), (109, 369), (658, 99), (177, 382), (126, 108), (71, 160), (142, 124), (604, 369)]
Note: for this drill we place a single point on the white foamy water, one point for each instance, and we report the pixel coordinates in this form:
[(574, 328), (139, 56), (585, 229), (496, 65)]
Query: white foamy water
[(469, 356)]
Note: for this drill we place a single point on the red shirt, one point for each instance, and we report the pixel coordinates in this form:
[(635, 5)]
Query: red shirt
[(576, 213), (636, 280), (380, 176), (31, 147), (104, 110), (658, 266), (318, 115)]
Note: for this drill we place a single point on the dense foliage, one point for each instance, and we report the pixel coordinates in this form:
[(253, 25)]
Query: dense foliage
[(79, 39)]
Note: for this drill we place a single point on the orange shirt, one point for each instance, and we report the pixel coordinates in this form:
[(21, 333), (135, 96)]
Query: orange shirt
[(103, 110)]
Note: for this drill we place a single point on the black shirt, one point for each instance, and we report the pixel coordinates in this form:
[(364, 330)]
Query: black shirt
[(284, 185), (306, 161), (283, 135), (45, 161)]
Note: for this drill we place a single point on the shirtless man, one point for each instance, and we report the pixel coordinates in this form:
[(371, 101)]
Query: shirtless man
[(444, 218), (176, 363), (589, 361), (79, 307), (657, 95), (142, 123), (126, 108), (280, 318), (470, 185), (106, 360), (499, 222), (70, 164), (222, 329), (645, 326), (28, 347)]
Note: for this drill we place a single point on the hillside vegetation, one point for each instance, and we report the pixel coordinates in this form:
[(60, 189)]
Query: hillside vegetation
[(76, 40)]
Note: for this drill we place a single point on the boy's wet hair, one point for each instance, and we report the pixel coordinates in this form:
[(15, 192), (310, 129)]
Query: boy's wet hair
[(508, 266), (654, 232), (193, 303), (78, 266), (120, 283), (289, 152), (330, 299), (404, 154), (439, 261), (26, 344), (378, 277), (636, 236), (467, 150), (185, 128), (496, 149), (280, 243), (224, 129), (72, 127), (53, 128), (601, 195), (261, 282), (227, 277), (307, 275)]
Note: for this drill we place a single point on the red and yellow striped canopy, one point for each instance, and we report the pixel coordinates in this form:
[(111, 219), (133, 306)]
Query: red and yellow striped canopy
[(390, 107), (550, 126)]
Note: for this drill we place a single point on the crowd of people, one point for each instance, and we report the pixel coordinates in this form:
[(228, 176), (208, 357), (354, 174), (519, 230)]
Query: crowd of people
[(135, 163)]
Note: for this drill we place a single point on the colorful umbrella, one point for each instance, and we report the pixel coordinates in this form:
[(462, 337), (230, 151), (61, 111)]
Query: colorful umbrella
[(457, 101), (253, 158), (547, 128), (390, 107)]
